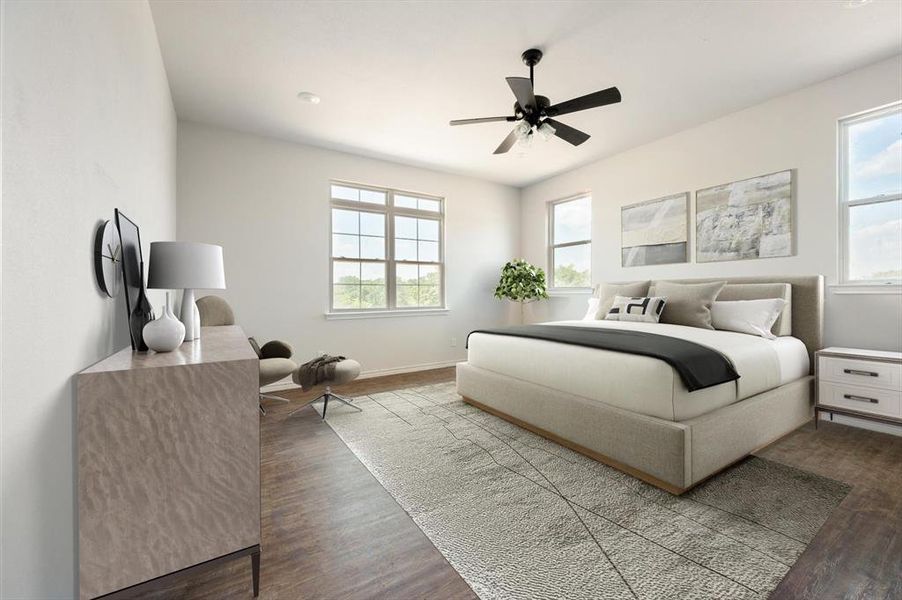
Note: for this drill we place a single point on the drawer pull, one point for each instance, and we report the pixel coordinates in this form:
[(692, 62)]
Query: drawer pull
[(860, 398), (864, 373)]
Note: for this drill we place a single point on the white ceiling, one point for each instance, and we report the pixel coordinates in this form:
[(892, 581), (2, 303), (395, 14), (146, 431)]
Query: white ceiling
[(392, 74)]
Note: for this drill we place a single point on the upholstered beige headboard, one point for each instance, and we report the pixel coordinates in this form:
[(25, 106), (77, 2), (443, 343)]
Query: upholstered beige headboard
[(807, 305)]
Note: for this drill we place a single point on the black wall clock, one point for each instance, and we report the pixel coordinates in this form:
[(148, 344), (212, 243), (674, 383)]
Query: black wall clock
[(108, 259)]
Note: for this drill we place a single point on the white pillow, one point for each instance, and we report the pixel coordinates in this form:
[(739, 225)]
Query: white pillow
[(592, 312), (643, 309), (755, 317)]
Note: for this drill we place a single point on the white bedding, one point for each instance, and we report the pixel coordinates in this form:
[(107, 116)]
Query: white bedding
[(643, 384)]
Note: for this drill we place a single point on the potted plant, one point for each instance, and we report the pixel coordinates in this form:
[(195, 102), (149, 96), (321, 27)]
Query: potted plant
[(521, 282)]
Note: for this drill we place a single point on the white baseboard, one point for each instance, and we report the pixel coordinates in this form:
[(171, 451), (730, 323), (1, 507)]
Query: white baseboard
[(288, 384), (864, 424), (410, 369)]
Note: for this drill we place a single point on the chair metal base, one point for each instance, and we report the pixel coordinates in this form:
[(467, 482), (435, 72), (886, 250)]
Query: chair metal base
[(328, 395)]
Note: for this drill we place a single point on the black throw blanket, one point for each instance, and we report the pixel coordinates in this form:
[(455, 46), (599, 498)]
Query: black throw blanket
[(699, 367)]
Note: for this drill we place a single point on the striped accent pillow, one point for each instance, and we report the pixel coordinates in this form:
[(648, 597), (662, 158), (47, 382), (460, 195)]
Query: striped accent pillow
[(646, 309)]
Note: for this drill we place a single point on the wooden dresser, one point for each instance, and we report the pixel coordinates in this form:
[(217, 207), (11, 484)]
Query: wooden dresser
[(861, 383), (168, 463)]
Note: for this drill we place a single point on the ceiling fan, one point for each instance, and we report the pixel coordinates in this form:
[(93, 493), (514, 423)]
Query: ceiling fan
[(533, 114)]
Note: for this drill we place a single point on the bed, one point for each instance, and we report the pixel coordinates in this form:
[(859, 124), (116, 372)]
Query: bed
[(634, 412)]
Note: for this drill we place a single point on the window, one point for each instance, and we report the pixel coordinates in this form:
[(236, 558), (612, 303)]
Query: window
[(870, 197), (387, 250), (570, 252)]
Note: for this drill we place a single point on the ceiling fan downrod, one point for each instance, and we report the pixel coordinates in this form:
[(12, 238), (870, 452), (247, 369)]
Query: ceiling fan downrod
[(531, 58)]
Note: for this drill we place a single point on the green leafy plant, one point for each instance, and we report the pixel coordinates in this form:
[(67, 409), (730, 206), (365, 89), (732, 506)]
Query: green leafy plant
[(521, 282)]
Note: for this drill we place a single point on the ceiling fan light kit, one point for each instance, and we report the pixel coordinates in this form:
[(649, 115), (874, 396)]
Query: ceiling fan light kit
[(533, 114), (546, 131)]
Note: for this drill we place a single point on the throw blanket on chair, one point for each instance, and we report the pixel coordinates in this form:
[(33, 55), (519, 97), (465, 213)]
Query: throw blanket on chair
[(319, 370)]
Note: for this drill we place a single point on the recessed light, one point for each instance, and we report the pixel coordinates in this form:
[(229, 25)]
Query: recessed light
[(308, 97), (856, 3)]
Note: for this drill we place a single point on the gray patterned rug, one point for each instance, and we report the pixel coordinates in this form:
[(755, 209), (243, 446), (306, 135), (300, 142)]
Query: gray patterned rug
[(522, 517)]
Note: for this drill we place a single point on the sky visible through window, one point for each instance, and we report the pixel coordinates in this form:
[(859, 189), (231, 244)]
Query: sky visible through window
[(572, 223), (875, 169), (875, 157)]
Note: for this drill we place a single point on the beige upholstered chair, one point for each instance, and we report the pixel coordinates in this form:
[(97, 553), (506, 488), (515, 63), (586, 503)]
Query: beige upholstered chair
[(275, 356)]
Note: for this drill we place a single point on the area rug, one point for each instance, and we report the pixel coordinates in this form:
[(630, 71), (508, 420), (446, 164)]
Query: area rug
[(520, 517)]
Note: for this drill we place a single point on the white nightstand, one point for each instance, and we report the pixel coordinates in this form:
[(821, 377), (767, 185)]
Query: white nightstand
[(860, 383)]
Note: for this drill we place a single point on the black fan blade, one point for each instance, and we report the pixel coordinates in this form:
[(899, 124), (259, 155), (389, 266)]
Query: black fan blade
[(602, 98), (567, 133), (482, 120), (522, 89), (508, 143)]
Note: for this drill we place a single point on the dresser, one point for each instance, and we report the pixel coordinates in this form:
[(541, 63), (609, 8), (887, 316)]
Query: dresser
[(168, 463), (860, 383)]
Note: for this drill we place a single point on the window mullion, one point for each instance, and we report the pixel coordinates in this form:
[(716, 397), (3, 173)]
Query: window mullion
[(417, 213), (874, 200), (568, 244), (390, 253), (419, 300)]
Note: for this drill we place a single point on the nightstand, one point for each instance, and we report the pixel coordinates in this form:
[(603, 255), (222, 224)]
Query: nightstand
[(859, 383)]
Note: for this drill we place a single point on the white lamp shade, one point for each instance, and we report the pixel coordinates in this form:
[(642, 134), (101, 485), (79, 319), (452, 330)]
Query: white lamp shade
[(185, 265)]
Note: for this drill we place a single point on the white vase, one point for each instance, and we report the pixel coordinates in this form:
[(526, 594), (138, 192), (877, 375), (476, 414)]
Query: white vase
[(166, 333)]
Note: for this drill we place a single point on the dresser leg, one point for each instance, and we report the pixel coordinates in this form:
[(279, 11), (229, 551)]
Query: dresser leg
[(255, 571)]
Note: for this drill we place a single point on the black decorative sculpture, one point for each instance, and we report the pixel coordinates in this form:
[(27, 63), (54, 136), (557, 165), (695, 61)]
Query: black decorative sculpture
[(142, 314)]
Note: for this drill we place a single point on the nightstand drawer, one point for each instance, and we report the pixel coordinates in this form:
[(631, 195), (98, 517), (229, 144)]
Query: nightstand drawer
[(860, 372), (862, 399)]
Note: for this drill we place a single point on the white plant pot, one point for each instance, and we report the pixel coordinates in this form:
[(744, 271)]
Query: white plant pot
[(166, 333)]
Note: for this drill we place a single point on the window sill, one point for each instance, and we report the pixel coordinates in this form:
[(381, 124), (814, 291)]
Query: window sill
[(865, 289), (570, 291), (386, 314)]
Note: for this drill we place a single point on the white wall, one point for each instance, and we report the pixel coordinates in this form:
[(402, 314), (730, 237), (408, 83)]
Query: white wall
[(797, 131), (88, 125), (267, 203)]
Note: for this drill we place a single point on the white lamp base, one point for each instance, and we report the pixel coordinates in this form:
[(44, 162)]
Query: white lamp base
[(190, 316)]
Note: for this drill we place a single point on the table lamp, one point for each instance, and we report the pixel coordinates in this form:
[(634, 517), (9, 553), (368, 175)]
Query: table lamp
[(186, 266)]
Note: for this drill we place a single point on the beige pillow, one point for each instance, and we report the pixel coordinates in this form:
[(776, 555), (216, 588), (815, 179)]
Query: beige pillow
[(687, 303), (606, 292)]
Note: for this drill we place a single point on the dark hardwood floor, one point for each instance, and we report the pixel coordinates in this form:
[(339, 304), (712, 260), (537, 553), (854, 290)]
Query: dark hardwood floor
[(331, 531), (858, 551), (329, 528)]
